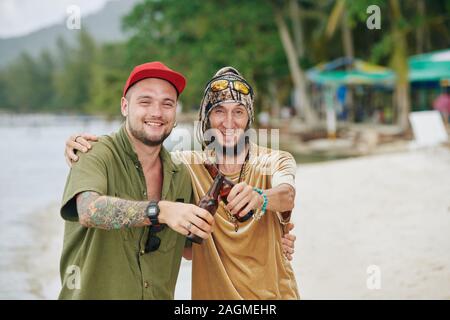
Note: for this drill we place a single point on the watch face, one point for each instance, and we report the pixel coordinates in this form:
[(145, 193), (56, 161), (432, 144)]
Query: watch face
[(152, 210)]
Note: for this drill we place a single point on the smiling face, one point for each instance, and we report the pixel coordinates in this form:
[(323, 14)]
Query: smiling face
[(150, 110), (229, 121)]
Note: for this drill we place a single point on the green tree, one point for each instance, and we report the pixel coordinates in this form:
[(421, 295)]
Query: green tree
[(43, 88), (73, 80), (399, 63), (108, 79), (20, 81), (4, 103), (294, 51), (198, 37)]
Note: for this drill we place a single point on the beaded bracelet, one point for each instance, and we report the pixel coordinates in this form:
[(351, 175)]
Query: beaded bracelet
[(264, 206)]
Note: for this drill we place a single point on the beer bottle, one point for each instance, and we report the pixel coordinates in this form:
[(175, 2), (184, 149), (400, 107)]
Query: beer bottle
[(226, 188), (225, 191), (209, 202)]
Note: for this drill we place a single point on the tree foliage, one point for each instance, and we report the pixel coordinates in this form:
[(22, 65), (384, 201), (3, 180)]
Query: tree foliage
[(197, 37)]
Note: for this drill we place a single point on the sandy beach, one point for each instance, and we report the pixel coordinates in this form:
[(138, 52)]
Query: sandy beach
[(391, 212)]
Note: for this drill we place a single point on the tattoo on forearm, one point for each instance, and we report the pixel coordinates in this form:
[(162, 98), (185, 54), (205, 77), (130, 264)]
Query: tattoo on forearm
[(110, 213)]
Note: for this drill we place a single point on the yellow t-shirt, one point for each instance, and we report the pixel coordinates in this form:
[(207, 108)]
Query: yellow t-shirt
[(248, 263)]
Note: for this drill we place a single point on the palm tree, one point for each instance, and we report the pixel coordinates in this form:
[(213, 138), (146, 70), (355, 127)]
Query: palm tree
[(399, 62), (293, 50), (339, 16)]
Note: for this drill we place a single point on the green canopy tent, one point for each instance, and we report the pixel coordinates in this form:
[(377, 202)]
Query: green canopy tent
[(348, 71), (429, 75), (433, 66), (361, 77)]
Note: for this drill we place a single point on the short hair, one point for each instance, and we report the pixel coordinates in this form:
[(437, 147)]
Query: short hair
[(128, 94)]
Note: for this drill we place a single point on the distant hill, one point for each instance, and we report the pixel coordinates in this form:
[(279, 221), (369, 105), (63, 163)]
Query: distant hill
[(104, 26)]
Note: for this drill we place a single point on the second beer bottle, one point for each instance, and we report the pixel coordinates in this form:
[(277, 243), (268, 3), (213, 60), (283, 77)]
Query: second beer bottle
[(209, 202), (226, 188)]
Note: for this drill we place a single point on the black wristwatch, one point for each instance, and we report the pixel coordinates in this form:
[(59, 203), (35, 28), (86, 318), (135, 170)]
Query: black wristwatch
[(152, 212)]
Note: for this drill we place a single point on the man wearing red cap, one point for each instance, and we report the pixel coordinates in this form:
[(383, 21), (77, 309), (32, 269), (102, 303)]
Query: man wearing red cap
[(127, 204)]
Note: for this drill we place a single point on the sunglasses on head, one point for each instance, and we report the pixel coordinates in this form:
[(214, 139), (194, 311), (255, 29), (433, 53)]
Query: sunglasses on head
[(153, 242), (222, 84)]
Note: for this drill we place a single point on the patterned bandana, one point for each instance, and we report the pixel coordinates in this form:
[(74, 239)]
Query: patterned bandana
[(213, 98)]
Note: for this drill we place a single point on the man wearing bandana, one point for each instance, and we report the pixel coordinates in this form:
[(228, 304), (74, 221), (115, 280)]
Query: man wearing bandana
[(250, 259)]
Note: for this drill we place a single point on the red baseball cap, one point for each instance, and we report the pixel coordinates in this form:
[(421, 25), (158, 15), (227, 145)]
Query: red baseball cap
[(158, 70)]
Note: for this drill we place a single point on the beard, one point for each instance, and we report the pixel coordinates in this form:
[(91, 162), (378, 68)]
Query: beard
[(140, 135), (232, 151)]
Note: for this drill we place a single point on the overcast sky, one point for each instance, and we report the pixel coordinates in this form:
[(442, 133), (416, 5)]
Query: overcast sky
[(19, 17)]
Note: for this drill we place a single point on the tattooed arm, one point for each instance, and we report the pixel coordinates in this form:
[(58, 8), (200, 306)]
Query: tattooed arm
[(109, 213), (104, 212)]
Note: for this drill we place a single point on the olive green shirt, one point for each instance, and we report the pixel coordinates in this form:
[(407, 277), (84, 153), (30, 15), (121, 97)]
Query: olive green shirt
[(101, 264)]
